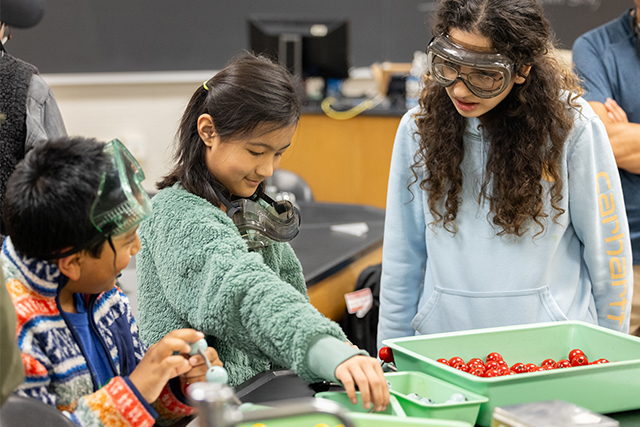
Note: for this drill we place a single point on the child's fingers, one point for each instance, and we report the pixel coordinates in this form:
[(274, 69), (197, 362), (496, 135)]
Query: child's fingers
[(197, 360), (212, 354), (196, 374), (363, 385), (354, 374), (377, 385), (175, 365), (169, 345), (188, 335), (344, 376)]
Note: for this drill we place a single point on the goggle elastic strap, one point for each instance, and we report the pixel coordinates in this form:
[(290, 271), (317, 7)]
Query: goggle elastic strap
[(231, 210)]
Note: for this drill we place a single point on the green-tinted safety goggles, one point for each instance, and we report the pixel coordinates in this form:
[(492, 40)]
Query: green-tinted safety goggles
[(122, 202)]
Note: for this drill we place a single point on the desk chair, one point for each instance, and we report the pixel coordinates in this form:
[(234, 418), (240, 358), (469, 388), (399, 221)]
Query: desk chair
[(27, 412), (288, 182)]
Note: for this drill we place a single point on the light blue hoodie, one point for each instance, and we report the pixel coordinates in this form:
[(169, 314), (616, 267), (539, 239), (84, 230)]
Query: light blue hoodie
[(579, 269)]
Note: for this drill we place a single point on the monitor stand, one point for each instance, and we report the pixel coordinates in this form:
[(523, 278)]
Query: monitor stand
[(290, 52)]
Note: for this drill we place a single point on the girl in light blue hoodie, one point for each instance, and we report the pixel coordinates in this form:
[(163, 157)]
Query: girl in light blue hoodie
[(504, 204)]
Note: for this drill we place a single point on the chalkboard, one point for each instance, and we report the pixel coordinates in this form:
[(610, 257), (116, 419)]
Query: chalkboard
[(85, 36)]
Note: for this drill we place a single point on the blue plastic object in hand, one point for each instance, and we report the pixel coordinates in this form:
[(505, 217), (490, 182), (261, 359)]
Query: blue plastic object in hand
[(218, 375), (201, 344)]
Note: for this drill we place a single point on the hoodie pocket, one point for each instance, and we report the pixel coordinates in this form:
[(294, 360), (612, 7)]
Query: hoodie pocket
[(448, 310)]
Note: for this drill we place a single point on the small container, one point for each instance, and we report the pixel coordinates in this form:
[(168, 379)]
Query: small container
[(426, 386), (342, 398), (550, 413), (372, 420), (359, 420), (310, 420), (606, 388)]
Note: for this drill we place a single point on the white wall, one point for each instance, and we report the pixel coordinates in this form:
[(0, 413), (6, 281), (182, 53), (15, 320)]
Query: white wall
[(141, 109)]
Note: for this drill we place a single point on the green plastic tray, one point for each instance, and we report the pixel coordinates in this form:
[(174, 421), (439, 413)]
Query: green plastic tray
[(360, 420), (315, 420), (341, 397), (606, 388), (404, 383), (372, 420)]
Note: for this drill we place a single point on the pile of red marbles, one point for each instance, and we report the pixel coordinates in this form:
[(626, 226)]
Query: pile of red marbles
[(495, 366)]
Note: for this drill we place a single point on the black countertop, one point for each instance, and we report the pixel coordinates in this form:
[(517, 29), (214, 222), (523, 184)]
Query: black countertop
[(322, 251)]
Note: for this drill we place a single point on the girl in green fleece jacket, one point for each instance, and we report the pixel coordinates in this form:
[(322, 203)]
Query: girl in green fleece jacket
[(195, 270)]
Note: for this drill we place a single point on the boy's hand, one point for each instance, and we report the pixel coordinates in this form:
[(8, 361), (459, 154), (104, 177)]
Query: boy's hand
[(160, 364), (367, 374), (199, 367)]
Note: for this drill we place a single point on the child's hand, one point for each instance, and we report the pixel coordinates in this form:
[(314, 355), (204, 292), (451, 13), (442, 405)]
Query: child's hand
[(199, 367), (367, 374), (159, 365), (352, 345)]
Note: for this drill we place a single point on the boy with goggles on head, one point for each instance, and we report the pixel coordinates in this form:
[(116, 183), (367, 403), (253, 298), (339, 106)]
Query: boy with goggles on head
[(72, 210), (504, 204)]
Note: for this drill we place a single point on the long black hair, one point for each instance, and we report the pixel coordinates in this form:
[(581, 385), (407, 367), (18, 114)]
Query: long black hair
[(251, 91)]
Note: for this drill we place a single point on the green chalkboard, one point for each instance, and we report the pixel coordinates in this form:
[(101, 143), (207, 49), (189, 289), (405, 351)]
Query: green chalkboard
[(83, 36)]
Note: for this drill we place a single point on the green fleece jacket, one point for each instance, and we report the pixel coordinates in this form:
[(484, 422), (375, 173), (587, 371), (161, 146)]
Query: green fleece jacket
[(194, 271)]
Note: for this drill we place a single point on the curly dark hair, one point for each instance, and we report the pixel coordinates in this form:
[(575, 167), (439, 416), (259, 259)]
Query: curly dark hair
[(528, 128)]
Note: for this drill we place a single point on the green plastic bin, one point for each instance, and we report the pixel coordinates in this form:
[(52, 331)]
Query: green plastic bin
[(605, 388), (372, 420), (359, 419), (314, 420), (404, 383), (394, 407)]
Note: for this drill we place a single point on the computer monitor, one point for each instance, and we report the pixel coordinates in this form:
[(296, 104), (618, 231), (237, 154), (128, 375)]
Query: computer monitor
[(307, 46)]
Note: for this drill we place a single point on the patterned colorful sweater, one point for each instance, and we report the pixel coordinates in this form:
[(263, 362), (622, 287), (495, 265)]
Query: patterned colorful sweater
[(54, 359)]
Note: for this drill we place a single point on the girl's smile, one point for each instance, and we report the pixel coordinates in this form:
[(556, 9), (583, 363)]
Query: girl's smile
[(242, 163), (253, 182)]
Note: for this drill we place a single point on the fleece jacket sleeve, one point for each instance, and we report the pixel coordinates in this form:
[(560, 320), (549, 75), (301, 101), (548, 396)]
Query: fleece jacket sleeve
[(197, 260), (326, 353)]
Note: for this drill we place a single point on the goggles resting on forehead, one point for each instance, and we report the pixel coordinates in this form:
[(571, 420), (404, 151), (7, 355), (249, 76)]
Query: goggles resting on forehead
[(261, 220), (122, 202), (485, 74)]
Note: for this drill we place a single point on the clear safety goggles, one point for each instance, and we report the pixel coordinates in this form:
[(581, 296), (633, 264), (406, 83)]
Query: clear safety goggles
[(122, 202), (486, 74), (259, 225)]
